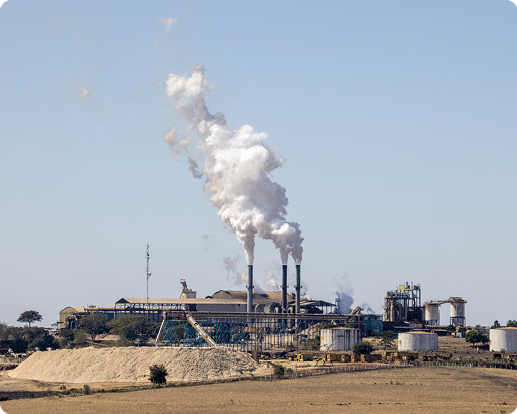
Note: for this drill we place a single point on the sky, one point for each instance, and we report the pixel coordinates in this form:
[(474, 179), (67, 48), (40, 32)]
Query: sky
[(395, 121)]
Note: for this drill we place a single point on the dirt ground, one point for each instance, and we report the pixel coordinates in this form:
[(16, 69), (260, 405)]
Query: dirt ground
[(401, 391)]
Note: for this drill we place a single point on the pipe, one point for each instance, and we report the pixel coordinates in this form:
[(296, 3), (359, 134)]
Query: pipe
[(250, 289), (284, 288), (298, 288)]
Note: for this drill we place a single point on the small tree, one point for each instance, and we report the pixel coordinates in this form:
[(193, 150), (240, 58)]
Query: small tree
[(29, 317), (475, 337), (387, 338), (362, 347), (511, 323), (93, 324), (495, 325), (158, 374)]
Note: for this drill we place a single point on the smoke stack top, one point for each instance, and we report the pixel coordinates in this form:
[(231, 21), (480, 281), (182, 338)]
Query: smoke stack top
[(236, 168)]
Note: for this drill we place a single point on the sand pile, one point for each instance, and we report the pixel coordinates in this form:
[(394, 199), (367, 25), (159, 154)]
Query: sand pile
[(132, 364)]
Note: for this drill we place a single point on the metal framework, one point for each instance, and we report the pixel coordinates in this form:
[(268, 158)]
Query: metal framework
[(250, 332), (403, 304)]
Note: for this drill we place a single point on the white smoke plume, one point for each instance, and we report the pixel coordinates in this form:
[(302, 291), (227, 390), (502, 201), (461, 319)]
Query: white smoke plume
[(232, 274), (270, 281), (176, 145), (236, 168), (168, 21), (238, 278), (83, 94), (167, 40), (344, 294)]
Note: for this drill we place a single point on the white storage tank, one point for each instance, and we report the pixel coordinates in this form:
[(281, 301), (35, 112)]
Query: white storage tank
[(432, 314), (503, 338), (339, 339), (458, 311), (418, 341)]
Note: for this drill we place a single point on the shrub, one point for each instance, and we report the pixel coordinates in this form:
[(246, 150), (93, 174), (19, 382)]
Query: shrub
[(362, 347), (279, 370), (158, 374), (86, 389)]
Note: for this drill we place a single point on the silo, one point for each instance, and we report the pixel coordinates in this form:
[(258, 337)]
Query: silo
[(418, 341), (458, 311), (432, 314), (339, 339), (503, 338)]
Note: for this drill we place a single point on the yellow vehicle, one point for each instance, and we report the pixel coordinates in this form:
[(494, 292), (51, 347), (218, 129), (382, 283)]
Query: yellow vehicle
[(303, 357)]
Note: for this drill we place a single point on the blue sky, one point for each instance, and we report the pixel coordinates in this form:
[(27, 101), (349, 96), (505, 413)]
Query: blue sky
[(396, 120)]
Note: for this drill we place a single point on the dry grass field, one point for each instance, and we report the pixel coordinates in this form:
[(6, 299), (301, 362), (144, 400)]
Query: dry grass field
[(400, 391)]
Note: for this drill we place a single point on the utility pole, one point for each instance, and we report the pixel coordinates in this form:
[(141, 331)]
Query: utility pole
[(148, 274)]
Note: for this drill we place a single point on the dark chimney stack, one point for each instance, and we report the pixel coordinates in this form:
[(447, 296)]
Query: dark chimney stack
[(250, 289), (284, 288), (298, 288)]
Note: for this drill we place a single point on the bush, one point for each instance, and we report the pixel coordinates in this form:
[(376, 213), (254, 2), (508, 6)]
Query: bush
[(158, 374), (279, 370), (80, 338), (362, 347), (86, 389)]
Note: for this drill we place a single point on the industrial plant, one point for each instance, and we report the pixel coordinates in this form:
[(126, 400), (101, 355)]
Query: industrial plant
[(247, 320)]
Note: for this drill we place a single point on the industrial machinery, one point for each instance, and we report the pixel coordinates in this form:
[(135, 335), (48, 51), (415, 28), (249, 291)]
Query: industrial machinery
[(356, 311), (432, 311), (403, 304)]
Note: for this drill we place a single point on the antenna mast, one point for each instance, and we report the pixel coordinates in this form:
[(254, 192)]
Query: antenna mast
[(148, 274)]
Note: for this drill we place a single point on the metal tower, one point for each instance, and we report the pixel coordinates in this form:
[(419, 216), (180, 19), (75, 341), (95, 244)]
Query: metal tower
[(148, 274)]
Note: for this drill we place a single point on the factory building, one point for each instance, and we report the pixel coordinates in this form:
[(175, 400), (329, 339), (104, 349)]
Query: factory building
[(222, 301)]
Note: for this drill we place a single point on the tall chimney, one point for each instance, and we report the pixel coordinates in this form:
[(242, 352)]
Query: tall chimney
[(250, 289), (298, 288), (284, 288)]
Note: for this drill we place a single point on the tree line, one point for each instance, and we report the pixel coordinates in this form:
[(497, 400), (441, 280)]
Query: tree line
[(130, 329)]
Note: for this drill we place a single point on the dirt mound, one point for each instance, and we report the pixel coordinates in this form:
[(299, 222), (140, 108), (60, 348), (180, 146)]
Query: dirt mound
[(132, 364)]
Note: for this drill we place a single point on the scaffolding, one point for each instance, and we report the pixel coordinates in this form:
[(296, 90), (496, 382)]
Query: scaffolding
[(250, 332), (403, 304)]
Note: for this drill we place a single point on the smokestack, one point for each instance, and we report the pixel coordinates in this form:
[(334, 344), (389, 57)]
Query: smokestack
[(250, 288), (284, 288), (298, 288)]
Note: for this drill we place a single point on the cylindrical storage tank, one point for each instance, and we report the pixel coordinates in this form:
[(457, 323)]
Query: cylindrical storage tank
[(339, 339), (458, 313), (503, 338), (418, 341), (432, 314)]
